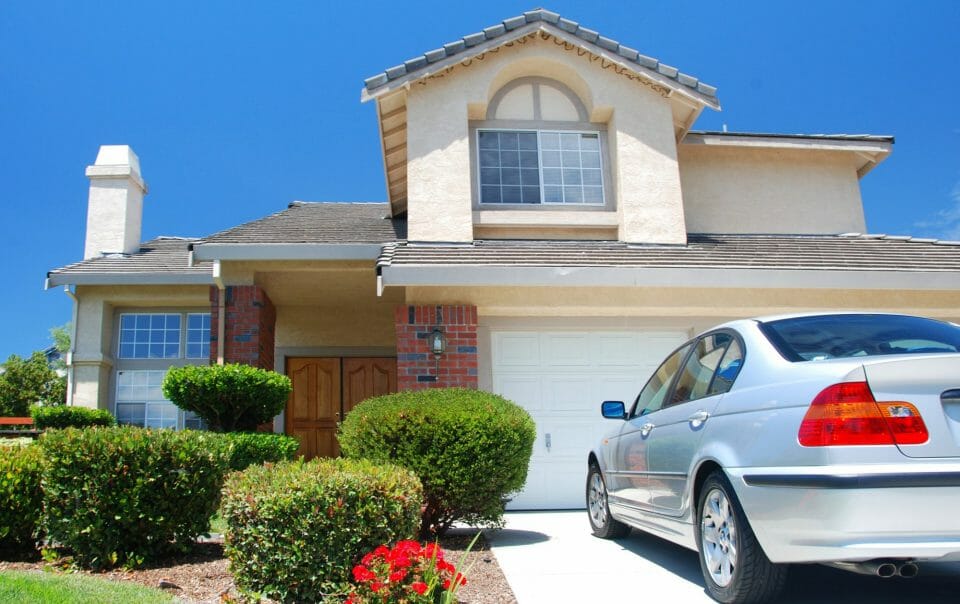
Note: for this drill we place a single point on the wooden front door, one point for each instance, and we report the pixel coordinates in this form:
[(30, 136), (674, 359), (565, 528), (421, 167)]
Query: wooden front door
[(325, 390)]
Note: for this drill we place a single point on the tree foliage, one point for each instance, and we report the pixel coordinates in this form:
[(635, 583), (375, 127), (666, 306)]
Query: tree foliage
[(29, 381)]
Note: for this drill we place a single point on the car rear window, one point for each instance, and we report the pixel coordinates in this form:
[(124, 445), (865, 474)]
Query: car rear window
[(840, 336)]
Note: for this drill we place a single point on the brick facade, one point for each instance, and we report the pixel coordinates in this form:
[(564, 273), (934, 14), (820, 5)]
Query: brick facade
[(417, 369), (250, 326)]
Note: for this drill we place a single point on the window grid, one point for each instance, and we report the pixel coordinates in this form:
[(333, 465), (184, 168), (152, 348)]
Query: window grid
[(198, 335), (149, 336), (568, 166), (140, 402)]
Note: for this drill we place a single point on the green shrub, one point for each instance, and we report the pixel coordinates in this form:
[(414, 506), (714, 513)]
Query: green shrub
[(70, 417), (295, 529), (21, 499), (26, 381), (469, 448), (254, 448), (128, 495), (228, 397)]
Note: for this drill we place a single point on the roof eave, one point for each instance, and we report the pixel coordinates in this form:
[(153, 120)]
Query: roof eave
[(609, 276), (287, 251), (127, 278)]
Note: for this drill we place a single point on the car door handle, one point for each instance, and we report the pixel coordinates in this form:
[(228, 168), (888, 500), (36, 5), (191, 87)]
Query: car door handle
[(646, 428), (698, 419)]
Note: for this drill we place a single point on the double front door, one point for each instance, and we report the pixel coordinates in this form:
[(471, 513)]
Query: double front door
[(325, 389)]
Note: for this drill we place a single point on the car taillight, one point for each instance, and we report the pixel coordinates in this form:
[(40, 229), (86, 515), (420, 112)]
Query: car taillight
[(847, 414)]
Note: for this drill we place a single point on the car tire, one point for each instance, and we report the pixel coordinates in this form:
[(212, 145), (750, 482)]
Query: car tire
[(601, 522), (735, 569)]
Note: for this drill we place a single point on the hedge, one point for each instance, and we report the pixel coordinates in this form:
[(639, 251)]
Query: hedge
[(21, 498), (128, 495), (254, 448), (469, 448), (295, 529), (62, 416)]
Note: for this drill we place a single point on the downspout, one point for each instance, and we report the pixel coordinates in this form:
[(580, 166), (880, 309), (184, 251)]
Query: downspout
[(221, 310), (71, 383)]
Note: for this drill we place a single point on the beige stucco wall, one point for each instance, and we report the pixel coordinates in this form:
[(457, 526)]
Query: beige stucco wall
[(703, 307), (642, 149), (93, 358), (750, 190)]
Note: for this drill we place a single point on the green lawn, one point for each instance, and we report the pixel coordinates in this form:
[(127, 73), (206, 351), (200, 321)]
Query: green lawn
[(48, 588)]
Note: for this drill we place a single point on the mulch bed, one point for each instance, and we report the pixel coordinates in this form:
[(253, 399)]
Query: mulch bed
[(202, 575)]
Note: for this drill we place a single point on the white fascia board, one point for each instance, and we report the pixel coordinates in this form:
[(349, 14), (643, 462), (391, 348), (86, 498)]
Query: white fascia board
[(731, 139), (127, 279), (492, 276), (287, 251)]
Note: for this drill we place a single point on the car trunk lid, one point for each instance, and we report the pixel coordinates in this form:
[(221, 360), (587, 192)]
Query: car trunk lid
[(931, 383)]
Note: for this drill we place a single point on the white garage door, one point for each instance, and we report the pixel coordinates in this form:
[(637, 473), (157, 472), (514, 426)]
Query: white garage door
[(561, 378)]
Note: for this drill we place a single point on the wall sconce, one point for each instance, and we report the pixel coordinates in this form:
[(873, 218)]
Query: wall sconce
[(438, 343)]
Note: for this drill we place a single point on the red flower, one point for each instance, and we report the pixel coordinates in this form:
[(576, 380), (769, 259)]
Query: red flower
[(363, 574), (397, 576), (419, 586), (376, 586)]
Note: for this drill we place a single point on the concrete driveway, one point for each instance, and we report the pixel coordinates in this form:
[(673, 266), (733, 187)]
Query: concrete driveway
[(552, 557)]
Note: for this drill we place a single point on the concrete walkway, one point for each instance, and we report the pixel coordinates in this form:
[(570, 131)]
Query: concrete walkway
[(551, 557)]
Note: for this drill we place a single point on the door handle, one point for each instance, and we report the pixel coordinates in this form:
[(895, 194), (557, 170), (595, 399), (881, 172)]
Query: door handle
[(646, 428), (547, 440), (698, 419)]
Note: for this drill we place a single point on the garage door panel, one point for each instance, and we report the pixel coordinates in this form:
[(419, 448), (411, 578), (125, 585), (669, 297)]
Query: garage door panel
[(560, 378), (516, 350), (566, 350), (525, 390)]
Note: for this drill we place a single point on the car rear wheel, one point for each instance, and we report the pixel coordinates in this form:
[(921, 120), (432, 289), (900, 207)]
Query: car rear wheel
[(735, 569), (602, 523)]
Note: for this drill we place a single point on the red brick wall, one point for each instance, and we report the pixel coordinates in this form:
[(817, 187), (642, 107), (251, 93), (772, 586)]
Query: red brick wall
[(416, 367), (250, 326)]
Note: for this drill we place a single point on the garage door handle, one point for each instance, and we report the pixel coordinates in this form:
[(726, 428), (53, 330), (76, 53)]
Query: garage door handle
[(645, 429), (547, 439), (698, 419)]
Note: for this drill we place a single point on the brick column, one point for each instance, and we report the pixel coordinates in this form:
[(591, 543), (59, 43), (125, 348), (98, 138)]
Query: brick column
[(417, 368), (250, 324)]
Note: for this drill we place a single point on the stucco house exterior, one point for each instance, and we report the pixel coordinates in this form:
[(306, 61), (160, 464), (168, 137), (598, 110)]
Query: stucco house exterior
[(551, 213)]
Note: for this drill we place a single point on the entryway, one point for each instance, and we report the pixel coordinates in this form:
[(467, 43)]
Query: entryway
[(325, 389)]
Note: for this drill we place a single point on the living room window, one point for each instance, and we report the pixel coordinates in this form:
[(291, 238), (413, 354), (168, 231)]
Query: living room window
[(148, 344)]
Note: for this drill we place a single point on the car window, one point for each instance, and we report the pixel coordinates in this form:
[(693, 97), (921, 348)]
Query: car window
[(651, 397), (697, 375), (815, 338), (729, 368)]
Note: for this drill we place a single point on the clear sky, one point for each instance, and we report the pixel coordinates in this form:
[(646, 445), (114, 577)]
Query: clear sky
[(238, 108)]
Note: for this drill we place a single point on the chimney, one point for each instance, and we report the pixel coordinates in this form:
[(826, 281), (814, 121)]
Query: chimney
[(115, 206)]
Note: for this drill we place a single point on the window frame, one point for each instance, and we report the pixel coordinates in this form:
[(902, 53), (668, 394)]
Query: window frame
[(122, 365)]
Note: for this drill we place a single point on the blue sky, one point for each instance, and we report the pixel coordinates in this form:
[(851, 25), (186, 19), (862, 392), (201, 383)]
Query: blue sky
[(237, 108)]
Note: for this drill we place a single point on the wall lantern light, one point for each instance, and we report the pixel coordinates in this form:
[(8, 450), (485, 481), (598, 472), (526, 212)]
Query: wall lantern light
[(438, 343)]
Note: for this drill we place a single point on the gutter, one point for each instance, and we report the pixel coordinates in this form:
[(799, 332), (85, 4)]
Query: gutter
[(71, 382), (221, 310)]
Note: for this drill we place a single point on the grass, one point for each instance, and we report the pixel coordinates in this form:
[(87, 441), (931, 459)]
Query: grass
[(46, 588), (218, 524)]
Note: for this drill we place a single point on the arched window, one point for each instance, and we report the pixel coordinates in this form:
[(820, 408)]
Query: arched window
[(537, 146)]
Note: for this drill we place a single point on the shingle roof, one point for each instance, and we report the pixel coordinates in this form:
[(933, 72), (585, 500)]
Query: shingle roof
[(164, 258), (304, 222), (589, 36), (781, 252)]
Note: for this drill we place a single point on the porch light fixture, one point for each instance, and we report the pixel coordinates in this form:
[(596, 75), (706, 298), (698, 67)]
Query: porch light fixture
[(438, 343)]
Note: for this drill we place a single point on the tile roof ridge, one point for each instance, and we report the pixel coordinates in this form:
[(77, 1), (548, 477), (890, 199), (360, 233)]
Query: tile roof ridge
[(551, 19)]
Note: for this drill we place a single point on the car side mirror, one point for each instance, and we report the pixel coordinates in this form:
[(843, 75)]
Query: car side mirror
[(613, 410)]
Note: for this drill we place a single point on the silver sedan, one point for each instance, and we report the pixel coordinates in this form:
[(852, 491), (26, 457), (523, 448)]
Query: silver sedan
[(831, 438)]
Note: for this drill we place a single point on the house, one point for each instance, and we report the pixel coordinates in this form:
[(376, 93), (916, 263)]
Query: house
[(554, 226)]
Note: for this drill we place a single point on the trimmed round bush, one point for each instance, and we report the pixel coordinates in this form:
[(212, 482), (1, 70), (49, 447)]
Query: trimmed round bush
[(21, 498), (229, 398), (70, 417), (129, 495), (254, 448), (295, 529), (470, 449)]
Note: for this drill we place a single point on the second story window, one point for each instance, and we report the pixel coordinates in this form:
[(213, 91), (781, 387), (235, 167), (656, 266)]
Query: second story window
[(537, 146), (540, 166)]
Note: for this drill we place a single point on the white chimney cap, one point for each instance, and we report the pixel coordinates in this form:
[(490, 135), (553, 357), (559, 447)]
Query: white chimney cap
[(117, 155)]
